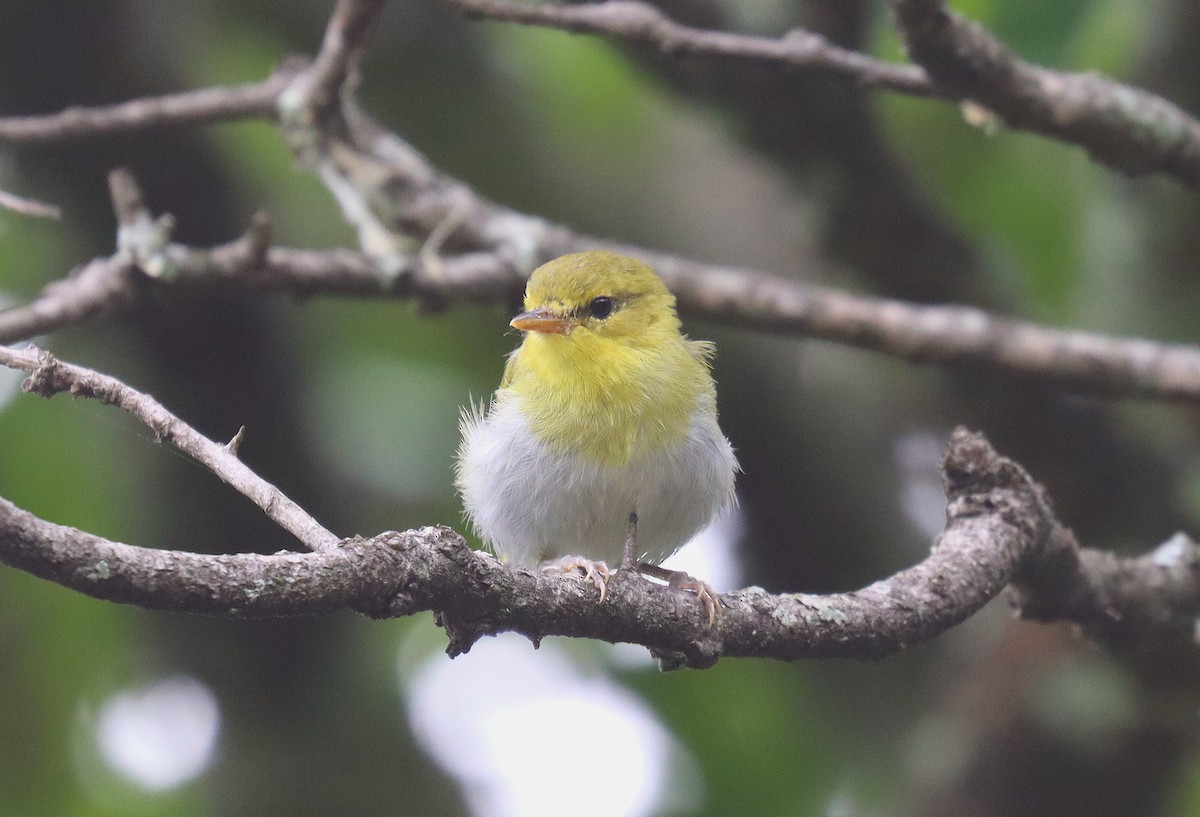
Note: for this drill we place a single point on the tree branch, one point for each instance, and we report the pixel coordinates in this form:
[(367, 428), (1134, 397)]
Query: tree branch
[(501, 246), (1124, 127), (29, 207), (100, 287), (48, 376), (244, 585), (1121, 126), (394, 193), (255, 100), (999, 529), (1127, 128), (642, 23), (322, 88)]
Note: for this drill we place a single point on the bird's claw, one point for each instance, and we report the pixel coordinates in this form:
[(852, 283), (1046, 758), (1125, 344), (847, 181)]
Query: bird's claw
[(704, 593), (678, 580), (597, 572)]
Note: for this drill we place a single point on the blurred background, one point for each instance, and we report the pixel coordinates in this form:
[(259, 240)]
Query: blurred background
[(351, 407)]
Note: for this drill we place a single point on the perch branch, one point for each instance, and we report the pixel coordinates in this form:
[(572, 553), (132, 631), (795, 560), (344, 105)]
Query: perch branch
[(999, 529), (48, 376)]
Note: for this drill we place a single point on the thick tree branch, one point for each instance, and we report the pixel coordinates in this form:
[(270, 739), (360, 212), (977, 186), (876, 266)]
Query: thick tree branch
[(1128, 602), (244, 585), (48, 376), (999, 528), (1123, 127)]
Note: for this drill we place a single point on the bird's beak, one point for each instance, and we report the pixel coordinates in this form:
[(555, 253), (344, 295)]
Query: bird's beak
[(546, 321)]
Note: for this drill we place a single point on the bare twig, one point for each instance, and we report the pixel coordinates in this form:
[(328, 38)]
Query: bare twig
[(341, 50), (999, 529), (642, 23), (254, 100), (1124, 127), (29, 207), (100, 287), (49, 376)]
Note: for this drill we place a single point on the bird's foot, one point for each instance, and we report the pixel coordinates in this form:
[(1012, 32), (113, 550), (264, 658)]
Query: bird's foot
[(679, 580), (597, 572)]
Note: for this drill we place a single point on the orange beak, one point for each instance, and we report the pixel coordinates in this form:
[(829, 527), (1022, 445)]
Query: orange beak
[(545, 321)]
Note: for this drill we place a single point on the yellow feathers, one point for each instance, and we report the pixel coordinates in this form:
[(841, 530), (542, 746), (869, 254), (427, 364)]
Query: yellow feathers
[(606, 373)]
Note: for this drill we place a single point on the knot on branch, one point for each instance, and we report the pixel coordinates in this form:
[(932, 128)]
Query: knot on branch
[(46, 375), (971, 465), (979, 482)]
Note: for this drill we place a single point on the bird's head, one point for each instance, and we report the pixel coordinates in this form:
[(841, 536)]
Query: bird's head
[(600, 293)]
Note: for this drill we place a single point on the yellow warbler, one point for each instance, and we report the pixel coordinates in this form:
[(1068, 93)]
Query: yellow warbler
[(602, 442)]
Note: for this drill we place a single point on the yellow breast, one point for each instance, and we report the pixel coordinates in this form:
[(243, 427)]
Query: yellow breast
[(605, 398)]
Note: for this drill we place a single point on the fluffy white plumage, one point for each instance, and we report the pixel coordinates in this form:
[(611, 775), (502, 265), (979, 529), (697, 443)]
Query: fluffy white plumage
[(532, 504)]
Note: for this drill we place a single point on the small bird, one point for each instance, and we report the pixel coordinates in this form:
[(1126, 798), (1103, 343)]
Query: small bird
[(601, 444)]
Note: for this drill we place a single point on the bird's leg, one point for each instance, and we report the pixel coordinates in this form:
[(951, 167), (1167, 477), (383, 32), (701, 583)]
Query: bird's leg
[(629, 560), (676, 579), (597, 572), (679, 580)]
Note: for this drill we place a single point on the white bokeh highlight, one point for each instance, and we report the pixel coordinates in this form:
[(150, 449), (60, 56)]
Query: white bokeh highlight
[(917, 454), (712, 555), (162, 735), (528, 733)]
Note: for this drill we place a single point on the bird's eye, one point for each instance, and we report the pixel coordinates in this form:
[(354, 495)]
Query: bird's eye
[(601, 307)]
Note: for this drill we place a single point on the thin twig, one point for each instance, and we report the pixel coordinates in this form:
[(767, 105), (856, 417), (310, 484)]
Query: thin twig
[(29, 207), (999, 529), (100, 287), (49, 376), (642, 23), (255, 100), (341, 51)]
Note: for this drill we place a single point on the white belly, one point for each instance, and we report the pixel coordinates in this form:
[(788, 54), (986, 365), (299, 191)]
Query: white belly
[(531, 504)]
